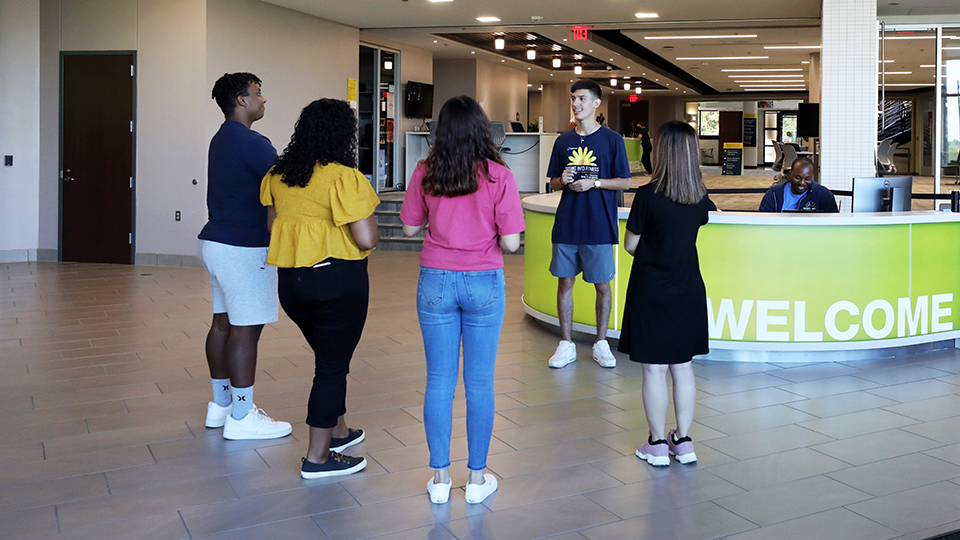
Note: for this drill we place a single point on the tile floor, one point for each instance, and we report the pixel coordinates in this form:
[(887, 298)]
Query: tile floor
[(103, 389)]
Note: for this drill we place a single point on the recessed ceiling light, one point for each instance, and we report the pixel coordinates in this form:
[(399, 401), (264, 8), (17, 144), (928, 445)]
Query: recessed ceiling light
[(928, 66), (591, 50), (766, 76), (503, 60), (792, 47), (528, 84), (488, 19), (805, 62), (770, 81), (723, 58), (774, 89), (473, 52), (434, 41), (772, 85), (895, 73), (564, 39), (760, 69), (437, 1), (886, 61), (646, 15), (728, 36)]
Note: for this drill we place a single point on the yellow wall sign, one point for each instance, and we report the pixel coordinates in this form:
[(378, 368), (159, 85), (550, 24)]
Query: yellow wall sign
[(351, 90), (732, 145)]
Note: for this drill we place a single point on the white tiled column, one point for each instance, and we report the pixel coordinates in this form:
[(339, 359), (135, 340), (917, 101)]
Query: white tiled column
[(848, 97)]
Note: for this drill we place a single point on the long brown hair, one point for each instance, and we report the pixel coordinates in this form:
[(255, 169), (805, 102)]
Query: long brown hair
[(463, 140), (676, 171)]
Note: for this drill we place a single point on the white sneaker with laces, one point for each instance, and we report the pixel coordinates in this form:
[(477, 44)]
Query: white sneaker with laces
[(255, 425), (566, 353), (602, 354), (217, 415)]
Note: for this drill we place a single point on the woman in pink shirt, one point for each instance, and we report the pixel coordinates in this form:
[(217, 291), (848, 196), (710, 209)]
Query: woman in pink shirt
[(471, 202)]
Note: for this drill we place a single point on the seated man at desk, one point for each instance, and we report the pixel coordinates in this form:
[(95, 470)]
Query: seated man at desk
[(799, 192)]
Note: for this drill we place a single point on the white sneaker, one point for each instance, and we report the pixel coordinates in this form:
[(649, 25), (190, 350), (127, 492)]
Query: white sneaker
[(217, 415), (255, 425), (439, 493), (566, 354), (476, 493), (602, 354)]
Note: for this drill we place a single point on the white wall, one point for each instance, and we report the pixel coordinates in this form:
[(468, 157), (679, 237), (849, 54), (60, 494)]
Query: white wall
[(503, 92), (19, 129), (49, 129)]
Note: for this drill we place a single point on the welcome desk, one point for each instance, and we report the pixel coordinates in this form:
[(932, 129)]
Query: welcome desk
[(792, 288)]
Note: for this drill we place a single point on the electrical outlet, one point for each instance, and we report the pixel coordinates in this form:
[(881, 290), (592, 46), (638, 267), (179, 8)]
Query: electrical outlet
[(177, 216)]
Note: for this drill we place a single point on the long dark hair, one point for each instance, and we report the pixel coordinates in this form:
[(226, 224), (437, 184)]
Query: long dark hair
[(676, 171), (325, 133), (463, 139)]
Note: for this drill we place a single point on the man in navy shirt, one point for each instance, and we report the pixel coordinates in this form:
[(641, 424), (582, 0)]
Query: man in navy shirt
[(799, 192), (589, 164), (233, 249)]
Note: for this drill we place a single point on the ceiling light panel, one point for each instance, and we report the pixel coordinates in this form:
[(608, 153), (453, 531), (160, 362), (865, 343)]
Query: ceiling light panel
[(723, 58), (724, 36)]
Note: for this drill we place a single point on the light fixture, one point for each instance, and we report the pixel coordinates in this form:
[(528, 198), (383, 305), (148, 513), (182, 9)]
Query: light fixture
[(895, 73), (434, 41), (577, 70), (774, 89), (646, 15), (438, 1), (718, 36), (772, 47), (886, 61), (759, 70), (911, 37), (499, 43), (637, 89), (613, 81), (626, 86), (798, 86), (723, 58), (488, 19), (388, 64), (556, 62), (531, 54), (805, 62), (771, 81), (910, 84), (801, 75)]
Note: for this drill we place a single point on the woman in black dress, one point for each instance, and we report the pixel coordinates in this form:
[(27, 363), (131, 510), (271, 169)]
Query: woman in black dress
[(665, 317)]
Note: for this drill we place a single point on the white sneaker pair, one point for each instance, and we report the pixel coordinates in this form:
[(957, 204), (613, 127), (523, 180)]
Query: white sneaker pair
[(567, 354), (255, 425), (476, 493)]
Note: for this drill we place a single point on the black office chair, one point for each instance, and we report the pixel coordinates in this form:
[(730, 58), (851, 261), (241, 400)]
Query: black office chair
[(499, 135)]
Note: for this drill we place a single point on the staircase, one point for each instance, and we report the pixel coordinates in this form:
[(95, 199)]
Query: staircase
[(387, 216), (897, 121)]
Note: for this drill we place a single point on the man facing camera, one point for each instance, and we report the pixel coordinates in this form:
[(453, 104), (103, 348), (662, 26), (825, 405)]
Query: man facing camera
[(799, 192)]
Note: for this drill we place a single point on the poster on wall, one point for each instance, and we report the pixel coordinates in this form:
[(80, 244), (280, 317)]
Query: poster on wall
[(352, 93), (732, 159), (749, 130), (390, 105)]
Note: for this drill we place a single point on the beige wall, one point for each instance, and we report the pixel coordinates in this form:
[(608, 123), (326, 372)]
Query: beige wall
[(534, 106), (503, 92), (19, 128), (453, 78), (182, 47)]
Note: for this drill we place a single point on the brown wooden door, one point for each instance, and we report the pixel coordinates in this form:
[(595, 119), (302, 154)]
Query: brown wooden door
[(97, 169), (731, 127)]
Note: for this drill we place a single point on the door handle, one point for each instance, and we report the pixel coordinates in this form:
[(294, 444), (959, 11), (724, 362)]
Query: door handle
[(68, 179)]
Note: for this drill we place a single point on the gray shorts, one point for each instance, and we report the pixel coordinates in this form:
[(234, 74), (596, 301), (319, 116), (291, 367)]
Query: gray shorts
[(597, 262), (241, 283)]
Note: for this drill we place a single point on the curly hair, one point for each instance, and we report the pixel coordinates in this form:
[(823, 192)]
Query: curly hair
[(231, 86), (463, 141), (325, 133)]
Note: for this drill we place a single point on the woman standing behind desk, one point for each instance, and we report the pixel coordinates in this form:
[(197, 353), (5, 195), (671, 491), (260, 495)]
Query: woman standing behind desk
[(323, 232), (665, 315), (471, 201)]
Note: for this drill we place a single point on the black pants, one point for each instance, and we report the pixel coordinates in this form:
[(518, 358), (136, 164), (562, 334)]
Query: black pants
[(645, 159), (329, 304)]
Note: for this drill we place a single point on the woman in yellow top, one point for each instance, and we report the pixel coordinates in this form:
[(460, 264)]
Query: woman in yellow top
[(320, 238)]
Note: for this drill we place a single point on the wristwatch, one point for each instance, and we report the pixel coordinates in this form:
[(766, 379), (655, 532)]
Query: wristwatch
[(596, 184)]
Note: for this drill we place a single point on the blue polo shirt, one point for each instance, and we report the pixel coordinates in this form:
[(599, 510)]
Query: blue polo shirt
[(589, 217), (239, 159)]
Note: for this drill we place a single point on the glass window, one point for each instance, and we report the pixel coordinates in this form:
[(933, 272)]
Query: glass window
[(709, 123), (951, 99)]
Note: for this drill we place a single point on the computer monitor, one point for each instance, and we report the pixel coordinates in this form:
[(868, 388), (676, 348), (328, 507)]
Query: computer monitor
[(517, 127), (884, 194)]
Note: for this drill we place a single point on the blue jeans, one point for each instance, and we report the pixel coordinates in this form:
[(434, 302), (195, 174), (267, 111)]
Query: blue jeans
[(453, 307)]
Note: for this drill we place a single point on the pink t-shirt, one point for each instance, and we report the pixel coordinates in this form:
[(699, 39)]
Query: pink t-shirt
[(463, 231)]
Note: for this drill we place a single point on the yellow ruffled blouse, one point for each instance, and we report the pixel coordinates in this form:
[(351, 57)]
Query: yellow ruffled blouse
[(313, 222)]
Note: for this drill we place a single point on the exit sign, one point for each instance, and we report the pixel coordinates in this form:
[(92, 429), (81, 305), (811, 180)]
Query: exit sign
[(579, 32), (633, 98)]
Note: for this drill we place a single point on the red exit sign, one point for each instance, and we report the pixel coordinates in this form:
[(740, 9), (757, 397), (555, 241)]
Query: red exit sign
[(579, 32), (634, 98)]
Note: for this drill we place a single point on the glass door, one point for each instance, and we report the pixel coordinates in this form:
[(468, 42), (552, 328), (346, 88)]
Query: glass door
[(377, 108), (771, 133), (949, 86)]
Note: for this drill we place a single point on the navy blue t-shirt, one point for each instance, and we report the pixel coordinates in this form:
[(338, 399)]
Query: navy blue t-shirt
[(239, 159), (589, 217)]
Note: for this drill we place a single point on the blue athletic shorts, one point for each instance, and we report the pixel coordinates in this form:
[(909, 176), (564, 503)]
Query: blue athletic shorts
[(597, 262)]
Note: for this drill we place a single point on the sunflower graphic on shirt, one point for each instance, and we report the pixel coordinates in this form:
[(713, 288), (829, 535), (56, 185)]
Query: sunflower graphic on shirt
[(583, 163)]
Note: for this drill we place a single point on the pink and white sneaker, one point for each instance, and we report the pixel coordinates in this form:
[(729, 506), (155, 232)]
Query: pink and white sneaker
[(682, 448), (655, 453)]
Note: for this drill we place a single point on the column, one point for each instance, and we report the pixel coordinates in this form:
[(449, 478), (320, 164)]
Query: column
[(848, 94), (752, 154)]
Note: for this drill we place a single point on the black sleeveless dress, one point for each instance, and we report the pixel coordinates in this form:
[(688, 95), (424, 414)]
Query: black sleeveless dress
[(665, 316)]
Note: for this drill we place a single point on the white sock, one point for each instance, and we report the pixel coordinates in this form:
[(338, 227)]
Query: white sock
[(221, 392), (242, 401)]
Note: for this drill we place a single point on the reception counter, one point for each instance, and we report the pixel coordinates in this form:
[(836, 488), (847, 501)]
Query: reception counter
[(793, 288)]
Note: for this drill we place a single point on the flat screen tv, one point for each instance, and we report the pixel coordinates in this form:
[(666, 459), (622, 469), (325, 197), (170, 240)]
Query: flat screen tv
[(886, 194), (419, 100)]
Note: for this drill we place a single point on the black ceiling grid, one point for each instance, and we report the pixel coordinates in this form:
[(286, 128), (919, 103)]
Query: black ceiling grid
[(617, 42)]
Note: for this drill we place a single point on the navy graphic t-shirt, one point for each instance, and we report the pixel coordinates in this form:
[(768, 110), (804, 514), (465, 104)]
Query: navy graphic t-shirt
[(239, 159), (589, 217)]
